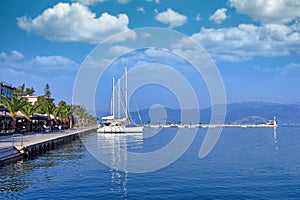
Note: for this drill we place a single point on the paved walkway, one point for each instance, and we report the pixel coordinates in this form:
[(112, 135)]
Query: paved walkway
[(32, 138)]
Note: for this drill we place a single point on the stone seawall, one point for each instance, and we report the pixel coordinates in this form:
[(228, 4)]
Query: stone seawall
[(35, 145)]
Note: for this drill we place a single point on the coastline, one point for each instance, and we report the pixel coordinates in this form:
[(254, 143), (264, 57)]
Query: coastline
[(212, 126)]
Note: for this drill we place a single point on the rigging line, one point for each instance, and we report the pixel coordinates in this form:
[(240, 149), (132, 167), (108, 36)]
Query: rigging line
[(138, 111), (124, 106), (122, 101)]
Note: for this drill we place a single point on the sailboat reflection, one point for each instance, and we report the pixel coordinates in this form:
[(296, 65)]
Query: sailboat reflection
[(116, 147)]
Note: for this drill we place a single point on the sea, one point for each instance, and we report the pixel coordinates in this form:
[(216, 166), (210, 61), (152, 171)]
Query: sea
[(245, 163)]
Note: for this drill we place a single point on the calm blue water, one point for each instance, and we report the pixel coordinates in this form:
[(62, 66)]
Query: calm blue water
[(245, 164)]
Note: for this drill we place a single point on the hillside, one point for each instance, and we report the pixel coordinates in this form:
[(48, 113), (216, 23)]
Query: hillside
[(237, 113)]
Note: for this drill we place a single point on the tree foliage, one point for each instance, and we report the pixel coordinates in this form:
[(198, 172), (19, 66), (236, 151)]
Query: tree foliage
[(23, 91), (28, 109), (62, 104), (47, 91), (29, 91), (45, 105), (13, 105)]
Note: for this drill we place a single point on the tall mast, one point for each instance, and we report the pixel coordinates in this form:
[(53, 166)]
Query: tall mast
[(113, 98), (126, 93), (119, 99)]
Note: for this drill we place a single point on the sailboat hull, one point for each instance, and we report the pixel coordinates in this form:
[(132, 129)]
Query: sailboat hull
[(134, 129), (111, 129), (120, 129)]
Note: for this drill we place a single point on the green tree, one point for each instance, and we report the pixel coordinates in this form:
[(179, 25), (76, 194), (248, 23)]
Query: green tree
[(56, 112), (79, 111), (29, 91), (89, 120), (43, 102), (23, 91), (69, 113), (49, 108), (28, 109), (63, 115), (66, 115), (47, 91), (62, 104), (13, 105), (20, 91)]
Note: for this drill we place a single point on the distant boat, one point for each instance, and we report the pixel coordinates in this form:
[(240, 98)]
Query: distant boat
[(119, 125), (173, 126)]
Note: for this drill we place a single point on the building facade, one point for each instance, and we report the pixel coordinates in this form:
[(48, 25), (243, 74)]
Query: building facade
[(6, 90), (31, 99)]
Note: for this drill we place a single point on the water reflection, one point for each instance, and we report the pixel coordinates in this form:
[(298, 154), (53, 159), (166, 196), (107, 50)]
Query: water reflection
[(116, 146), (275, 139), (17, 177), (9, 179)]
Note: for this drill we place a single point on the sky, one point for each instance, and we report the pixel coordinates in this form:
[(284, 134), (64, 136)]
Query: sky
[(255, 44)]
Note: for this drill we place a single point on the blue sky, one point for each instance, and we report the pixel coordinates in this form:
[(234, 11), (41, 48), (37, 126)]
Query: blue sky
[(255, 44)]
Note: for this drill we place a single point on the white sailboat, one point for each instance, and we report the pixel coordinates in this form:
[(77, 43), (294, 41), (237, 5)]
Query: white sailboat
[(119, 125)]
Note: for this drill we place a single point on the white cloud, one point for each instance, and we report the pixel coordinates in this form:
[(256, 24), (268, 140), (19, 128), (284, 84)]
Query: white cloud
[(35, 72), (14, 55), (17, 77), (292, 70), (219, 16), (172, 18), (155, 1), (146, 35), (89, 2), (92, 2), (119, 50), (140, 9), (76, 23), (149, 55), (268, 11), (15, 60), (198, 18), (247, 41), (53, 63), (123, 1)]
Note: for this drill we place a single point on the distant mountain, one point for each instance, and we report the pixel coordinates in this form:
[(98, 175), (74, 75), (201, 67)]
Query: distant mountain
[(237, 113), (257, 112)]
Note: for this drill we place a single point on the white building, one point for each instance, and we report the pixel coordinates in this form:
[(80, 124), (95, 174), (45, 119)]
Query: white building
[(31, 99)]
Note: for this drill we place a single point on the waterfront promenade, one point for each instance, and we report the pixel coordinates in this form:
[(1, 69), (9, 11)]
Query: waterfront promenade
[(13, 148)]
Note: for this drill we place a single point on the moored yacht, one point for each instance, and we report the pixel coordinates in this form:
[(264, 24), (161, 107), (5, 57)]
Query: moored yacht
[(111, 124)]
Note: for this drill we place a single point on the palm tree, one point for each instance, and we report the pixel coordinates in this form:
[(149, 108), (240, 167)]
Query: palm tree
[(66, 114), (63, 115), (13, 105), (79, 111), (89, 119), (28, 109), (69, 113), (49, 108), (56, 112)]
